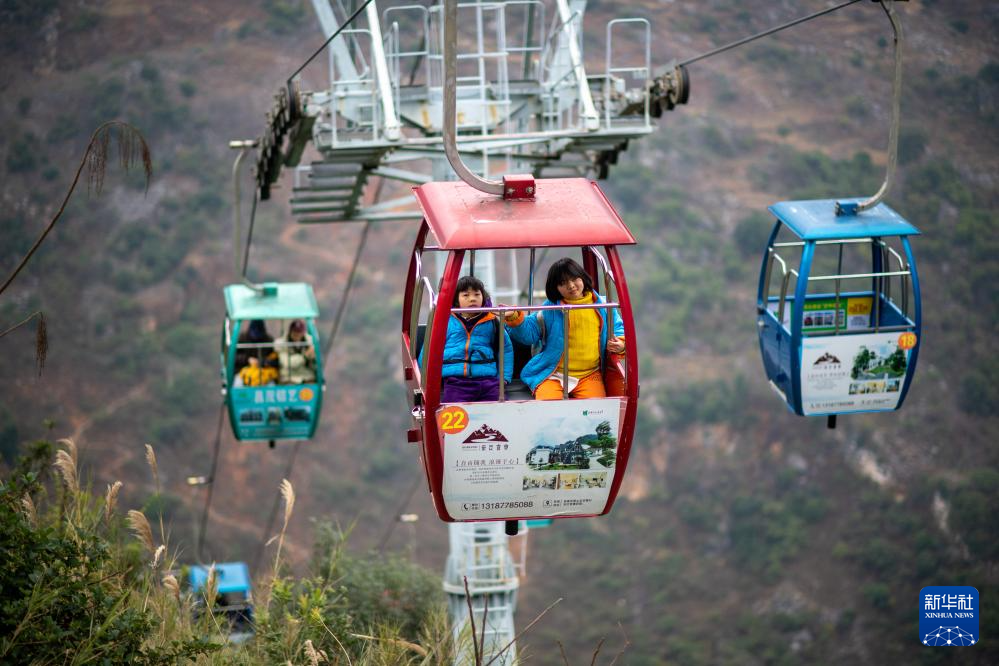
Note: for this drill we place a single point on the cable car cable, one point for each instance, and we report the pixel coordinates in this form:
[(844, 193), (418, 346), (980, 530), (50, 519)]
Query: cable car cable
[(312, 57), (244, 147), (342, 307), (211, 486), (249, 232), (274, 509), (350, 283), (896, 104), (394, 518), (746, 40)]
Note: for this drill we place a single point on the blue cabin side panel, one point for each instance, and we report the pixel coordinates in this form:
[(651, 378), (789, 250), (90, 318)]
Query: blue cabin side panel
[(918, 319), (775, 348)]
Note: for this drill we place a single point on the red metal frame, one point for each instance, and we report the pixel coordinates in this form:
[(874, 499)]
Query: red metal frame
[(455, 228)]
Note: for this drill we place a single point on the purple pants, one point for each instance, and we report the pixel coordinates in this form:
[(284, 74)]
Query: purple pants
[(469, 389)]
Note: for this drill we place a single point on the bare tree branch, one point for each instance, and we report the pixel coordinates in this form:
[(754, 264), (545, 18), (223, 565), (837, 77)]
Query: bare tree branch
[(41, 337), (132, 148), (482, 634), (524, 630), (627, 644), (597, 651), (471, 619)]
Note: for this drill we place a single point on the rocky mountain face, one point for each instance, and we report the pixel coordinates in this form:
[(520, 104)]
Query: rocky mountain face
[(744, 534)]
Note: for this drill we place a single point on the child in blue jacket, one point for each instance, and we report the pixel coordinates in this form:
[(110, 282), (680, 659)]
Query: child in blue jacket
[(471, 349), (593, 333)]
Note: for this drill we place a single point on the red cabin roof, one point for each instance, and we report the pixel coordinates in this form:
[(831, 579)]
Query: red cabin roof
[(565, 212)]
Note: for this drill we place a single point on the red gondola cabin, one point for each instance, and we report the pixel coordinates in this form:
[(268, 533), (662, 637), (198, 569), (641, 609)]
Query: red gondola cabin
[(518, 458)]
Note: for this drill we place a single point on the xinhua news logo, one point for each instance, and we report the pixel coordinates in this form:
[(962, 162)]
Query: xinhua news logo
[(948, 616)]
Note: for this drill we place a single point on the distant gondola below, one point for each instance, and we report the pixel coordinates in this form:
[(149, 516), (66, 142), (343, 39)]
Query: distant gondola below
[(233, 596), (271, 362), (838, 308)]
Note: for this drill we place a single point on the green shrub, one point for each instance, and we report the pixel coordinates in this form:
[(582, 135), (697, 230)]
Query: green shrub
[(284, 16), (751, 234), (878, 595), (21, 156), (960, 25), (78, 589), (69, 594), (911, 144), (978, 393), (989, 73), (9, 438), (856, 106), (764, 534), (974, 515), (188, 88), (82, 20), (719, 401)]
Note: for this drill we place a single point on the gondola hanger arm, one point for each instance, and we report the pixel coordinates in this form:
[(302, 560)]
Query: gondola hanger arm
[(512, 187)]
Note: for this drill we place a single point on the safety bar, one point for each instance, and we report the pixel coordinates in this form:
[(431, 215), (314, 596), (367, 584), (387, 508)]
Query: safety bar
[(883, 281), (889, 251), (603, 263), (853, 276), (280, 344), (534, 308), (841, 241), (423, 284), (880, 287), (538, 308), (784, 282), (866, 329)]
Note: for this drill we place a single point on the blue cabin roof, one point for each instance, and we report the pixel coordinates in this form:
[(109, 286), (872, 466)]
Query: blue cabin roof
[(817, 220), (291, 300), (231, 577)]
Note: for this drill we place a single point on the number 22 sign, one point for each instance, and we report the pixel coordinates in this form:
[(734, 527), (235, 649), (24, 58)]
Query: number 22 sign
[(452, 420)]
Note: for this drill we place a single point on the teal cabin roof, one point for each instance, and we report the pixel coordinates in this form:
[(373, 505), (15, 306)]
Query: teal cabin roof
[(231, 577), (817, 220), (291, 300)]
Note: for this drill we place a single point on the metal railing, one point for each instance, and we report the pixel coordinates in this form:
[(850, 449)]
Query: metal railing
[(395, 54), (354, 97), (881, 287), (499, 311), (610, 71)]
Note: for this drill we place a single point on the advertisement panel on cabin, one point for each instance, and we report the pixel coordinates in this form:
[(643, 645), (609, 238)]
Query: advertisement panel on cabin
[(524, 459)]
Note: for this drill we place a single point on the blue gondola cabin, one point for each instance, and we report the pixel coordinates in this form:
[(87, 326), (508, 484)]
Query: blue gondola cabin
[(271, 362), (233, 596), (838, 308)]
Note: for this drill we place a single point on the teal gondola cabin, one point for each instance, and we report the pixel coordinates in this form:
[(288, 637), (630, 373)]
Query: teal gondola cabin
[(271, 362)]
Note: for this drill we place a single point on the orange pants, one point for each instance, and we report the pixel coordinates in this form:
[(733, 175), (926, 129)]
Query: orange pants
[(590, 386)]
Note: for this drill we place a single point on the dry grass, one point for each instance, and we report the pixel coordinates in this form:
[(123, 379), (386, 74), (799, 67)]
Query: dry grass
[(111, 500), (171, 585), (29, 510), (65, 464), (140, 527), (151, 461), (158, 556)]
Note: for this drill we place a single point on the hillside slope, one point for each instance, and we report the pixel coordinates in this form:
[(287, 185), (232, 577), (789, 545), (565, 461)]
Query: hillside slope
[(745, 535)]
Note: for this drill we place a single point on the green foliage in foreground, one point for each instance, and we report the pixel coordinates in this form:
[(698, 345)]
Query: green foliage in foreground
[(78, 590), (72, 594)]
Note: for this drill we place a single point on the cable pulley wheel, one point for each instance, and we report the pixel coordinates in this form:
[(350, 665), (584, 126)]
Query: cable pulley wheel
[(294, 93)]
